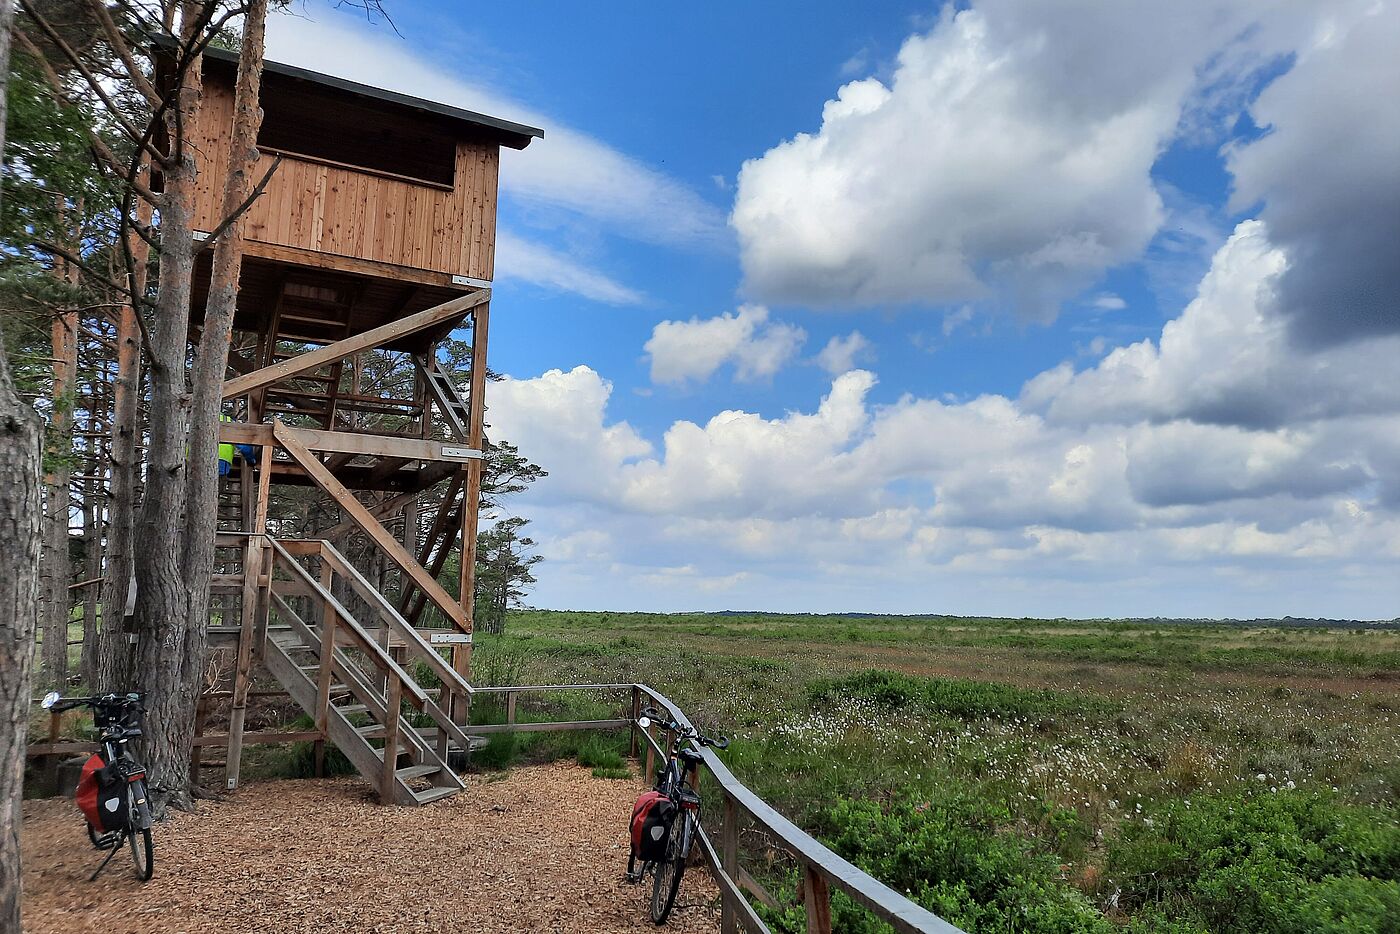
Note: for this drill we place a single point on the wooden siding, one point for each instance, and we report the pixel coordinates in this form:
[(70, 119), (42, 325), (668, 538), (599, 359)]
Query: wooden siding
[(342, 211)]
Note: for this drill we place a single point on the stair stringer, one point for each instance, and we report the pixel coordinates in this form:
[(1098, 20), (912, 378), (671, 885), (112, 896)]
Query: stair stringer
[(366, 759)]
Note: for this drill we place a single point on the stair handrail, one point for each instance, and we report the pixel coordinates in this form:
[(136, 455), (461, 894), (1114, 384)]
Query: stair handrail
[(392, 618), (381, 658), (452, 681)]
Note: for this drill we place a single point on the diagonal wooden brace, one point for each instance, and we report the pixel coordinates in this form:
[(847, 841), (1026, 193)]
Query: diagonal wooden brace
[(375, 337), (286, 438)]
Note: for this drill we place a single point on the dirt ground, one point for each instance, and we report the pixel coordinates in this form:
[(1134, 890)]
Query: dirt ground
[(542, 849)]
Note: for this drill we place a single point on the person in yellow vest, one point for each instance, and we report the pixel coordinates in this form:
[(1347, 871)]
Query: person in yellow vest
[(225, 453)]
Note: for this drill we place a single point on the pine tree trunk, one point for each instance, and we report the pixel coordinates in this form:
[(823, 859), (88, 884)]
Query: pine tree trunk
[(20, 457), (211, 360), (114, 647), (20, 446), (56, 570), (165, 643), (92, 569)]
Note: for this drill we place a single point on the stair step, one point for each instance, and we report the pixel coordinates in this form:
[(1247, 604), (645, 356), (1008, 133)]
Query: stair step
[(351, 709), (418, 771), (433, 794), (373, 731)]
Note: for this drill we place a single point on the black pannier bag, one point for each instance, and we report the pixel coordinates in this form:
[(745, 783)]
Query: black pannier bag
[(111, 798), (651, 824)]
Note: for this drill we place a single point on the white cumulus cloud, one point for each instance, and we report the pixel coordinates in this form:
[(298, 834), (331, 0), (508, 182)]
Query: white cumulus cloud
[(842, 354), (691, 351)]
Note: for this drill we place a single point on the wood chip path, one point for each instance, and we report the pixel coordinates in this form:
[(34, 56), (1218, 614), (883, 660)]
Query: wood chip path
[(542, 849)]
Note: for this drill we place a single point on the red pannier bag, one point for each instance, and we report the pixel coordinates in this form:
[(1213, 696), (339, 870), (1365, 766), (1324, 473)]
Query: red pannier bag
[(100, 796), (651, 822)]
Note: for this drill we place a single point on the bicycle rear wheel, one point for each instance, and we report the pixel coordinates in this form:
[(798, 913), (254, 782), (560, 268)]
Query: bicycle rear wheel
[(667, 881)]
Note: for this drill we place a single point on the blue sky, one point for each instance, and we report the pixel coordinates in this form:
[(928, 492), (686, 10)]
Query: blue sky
[(987, 308)]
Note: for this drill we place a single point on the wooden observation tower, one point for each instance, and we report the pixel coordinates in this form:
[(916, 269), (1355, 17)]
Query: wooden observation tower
[(376, 232)]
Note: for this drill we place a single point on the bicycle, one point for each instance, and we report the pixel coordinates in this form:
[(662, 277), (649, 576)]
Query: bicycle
[(673, 782), (112, 791)]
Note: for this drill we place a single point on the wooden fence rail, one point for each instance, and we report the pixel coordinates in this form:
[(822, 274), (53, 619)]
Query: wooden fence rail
[(822, 870)]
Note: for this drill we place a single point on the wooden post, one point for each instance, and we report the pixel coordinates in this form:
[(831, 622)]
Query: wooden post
[(243, 667), (264, 566), (201, 713), (651, 759), (391, 740), (636, 713), (51, 760), (323, 673), (471, 499), (510, 707), (729, 863), (817, 897)]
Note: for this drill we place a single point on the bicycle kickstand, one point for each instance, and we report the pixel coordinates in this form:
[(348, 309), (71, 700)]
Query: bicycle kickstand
[(110, 853)]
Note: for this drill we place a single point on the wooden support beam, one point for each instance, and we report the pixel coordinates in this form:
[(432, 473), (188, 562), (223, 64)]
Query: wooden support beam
[(341, 349), (391, 739), (381, 536), (816, 895), (243, 667), (729, 863), (351, 443), (317, 260), (324, 672), (471, 500), (431, 474)]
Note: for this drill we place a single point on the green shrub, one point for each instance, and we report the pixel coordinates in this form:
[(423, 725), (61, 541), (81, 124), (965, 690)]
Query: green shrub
[(498, 753), (1280, 861), (598, 753), (948, 855), (967, 700)]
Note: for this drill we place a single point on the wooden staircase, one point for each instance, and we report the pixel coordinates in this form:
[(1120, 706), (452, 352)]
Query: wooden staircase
[(347, 677), (455, 411)]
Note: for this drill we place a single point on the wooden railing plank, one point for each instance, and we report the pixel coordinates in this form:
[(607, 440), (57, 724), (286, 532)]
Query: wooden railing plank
[(887, 904)]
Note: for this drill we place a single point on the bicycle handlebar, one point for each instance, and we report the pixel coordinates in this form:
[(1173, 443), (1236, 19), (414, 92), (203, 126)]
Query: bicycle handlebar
[(684, 732), (97, 700)]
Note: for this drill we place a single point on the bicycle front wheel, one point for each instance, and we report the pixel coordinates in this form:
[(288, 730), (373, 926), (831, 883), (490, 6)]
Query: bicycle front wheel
[(143, 853), (667, 880)]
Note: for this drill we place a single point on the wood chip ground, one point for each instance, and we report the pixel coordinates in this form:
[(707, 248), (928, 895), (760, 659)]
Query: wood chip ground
[(542, 849)]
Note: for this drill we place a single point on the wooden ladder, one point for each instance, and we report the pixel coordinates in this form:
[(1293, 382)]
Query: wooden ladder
[(339, 673), (455, 412)]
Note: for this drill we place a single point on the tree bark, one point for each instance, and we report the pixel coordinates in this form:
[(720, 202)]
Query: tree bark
[(20, 447), (114, 647), (56, 570), (165, 642), (211, 360), (20, 459), (92, 569)]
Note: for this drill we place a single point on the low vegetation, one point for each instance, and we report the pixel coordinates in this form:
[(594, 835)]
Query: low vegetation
[(1023, 775)]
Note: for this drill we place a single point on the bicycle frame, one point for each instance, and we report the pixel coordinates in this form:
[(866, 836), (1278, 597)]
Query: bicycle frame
[(117, 719), (674, 786)]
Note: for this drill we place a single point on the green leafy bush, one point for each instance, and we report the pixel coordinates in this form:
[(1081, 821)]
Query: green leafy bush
[(948, 855), (498, 753), (967, 700), (1285, 861)]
